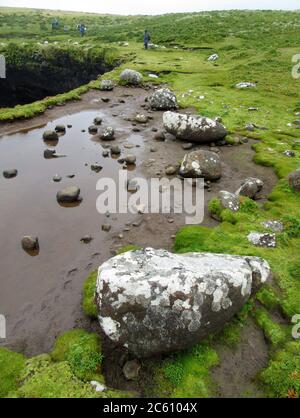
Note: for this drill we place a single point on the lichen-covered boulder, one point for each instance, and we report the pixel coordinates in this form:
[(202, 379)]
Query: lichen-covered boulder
[(153, 302), (106, 85), (193, 128), (163, 99), (262, 239), (131, 77), (224, 200), (250, 187), (201, 164)]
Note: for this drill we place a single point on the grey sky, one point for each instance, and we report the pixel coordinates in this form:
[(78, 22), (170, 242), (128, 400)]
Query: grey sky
[(151, 6)]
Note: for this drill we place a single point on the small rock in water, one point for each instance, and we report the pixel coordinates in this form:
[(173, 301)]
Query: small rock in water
[(97, 121), (49, 153), (68, 195), (105, 153), (70, 176), (50, 136), (93, 129), (60, 128), (115, 150), (69, 126), (132, 186), (86, 239), (108, 134), (105, 99), (262, 240), (130, 159), (30, 243), (131, 369), (106, 227), (154, 129), (96, 167), (57, 178), (10, 173)]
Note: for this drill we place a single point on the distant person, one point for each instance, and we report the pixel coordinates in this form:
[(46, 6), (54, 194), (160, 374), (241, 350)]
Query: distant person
[(146, 39), (82, 29)]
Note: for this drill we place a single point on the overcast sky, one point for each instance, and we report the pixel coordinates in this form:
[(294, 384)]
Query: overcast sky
[(151, 6)]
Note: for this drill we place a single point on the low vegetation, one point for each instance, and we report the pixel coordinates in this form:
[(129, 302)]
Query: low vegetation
[(252, 46)]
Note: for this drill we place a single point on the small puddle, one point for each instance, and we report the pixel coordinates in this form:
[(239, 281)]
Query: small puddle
[(41, 293)]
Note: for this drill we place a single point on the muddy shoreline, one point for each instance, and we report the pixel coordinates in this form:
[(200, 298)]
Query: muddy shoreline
[(41, 296)]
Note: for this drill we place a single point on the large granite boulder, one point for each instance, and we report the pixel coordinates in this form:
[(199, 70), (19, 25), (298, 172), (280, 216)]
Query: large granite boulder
[(163, 99), (131, 77), (201, 164), (153, 302), (193, 128)]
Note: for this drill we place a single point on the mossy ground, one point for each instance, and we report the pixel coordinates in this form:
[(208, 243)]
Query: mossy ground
[(64, 373), (252, 46)]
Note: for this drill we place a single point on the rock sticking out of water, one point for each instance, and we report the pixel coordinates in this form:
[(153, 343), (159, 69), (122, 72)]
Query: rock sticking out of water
[(10, 173), (50, 136), (108, 134), (60, 128), (68, 195), (30, 243)]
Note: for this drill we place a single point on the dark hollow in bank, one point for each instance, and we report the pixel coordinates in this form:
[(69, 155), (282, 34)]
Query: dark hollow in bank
[(34, 73)]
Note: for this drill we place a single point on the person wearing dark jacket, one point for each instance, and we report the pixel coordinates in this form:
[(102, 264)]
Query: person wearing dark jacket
[(146, 39)]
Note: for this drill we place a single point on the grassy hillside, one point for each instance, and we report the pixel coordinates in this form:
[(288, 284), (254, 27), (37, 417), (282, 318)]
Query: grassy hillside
[(252, 46)]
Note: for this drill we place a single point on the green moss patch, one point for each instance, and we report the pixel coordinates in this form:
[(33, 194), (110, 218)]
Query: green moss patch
[(89, 290), (11, 366)]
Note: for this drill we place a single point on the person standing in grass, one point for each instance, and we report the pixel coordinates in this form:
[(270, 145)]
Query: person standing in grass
[(146, 39)]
